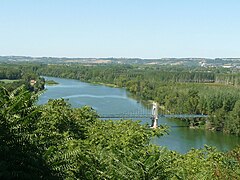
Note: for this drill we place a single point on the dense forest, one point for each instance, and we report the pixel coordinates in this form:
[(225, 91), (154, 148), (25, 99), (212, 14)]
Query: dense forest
[(179, 90), (13, 76), (55, 141)]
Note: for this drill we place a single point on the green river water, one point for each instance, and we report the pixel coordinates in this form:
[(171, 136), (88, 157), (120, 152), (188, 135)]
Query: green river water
[(107, 100)]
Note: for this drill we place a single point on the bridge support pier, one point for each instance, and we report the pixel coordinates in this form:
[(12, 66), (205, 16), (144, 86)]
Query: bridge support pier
[(154, 116)]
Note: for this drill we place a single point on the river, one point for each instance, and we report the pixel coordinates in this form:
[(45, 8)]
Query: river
[(107, 100)]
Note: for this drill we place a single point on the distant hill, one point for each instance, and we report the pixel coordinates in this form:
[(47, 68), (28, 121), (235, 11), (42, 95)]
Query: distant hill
[(204, 62)]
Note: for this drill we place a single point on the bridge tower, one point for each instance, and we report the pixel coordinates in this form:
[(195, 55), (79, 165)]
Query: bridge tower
[(154, 115)]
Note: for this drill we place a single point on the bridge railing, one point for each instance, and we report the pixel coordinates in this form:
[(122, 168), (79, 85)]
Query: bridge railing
[(149, 115)]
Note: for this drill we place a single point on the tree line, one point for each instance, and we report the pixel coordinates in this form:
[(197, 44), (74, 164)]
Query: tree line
[(21, 74), (178, 90), (55, 141)]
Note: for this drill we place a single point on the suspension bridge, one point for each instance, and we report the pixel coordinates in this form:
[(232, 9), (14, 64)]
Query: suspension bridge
[(154, 114)]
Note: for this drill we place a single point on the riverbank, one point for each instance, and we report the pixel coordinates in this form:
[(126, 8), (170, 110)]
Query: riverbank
[(105, 84), (107, 100), (51, 82)]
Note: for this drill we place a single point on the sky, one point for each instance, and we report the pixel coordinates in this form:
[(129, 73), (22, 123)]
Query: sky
[(120, 28)]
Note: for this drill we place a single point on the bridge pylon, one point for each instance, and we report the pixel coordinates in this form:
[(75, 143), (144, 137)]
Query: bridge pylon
[(154, 115)]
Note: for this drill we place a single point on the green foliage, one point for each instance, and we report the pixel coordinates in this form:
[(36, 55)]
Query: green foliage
[(233, 124), (178, 90), (55, 141), (20, 158), (19, 75), (205, 163), (51, 82)]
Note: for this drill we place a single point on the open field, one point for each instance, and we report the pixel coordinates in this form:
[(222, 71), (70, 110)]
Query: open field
[(8, 80)]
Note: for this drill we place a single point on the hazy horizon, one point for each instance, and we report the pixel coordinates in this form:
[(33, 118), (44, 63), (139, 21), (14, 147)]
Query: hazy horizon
[(119, 57)]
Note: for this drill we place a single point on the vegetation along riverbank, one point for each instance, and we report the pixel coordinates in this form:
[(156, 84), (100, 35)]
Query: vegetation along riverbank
[(180, 90), (56, 141)]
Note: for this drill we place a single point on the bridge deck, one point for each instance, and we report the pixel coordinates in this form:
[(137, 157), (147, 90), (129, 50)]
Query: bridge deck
[(180, 116)]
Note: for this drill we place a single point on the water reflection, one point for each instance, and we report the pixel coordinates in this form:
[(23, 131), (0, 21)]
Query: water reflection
[(108, 100)]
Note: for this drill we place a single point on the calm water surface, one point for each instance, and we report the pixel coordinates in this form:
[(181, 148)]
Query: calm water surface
[(117, 100)]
